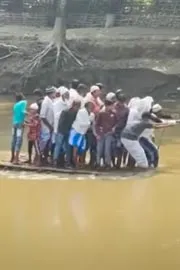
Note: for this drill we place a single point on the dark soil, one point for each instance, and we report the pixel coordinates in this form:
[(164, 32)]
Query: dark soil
[(141, 61)]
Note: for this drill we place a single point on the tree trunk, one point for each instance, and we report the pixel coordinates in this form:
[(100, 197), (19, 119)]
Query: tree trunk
[(59, 31), (110, 20), (112, 8), (57, 42)]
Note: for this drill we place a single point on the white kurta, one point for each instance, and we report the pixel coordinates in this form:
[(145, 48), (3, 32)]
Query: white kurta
[(82, 121)]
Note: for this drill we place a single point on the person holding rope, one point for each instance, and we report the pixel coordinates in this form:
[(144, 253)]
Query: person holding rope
[(133, 131)]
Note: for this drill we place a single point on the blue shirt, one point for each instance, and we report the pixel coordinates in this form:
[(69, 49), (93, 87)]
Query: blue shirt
[(19, 112)]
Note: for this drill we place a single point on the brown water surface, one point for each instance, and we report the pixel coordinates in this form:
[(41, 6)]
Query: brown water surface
[(51, 223)]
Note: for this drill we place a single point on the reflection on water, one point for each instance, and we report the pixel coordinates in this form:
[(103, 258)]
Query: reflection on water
[(60, 224)]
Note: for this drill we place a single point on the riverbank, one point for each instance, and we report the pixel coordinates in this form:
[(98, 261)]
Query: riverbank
[(142, 61)]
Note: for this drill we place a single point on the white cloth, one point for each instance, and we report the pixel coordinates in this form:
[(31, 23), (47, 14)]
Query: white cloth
[(169, 121), (82, 121), (59, 106), (136, 151), (133, 116), (134, 103), (94, 88), (110, 96), (63, 90), (75, 96), (156, 108), (34, 106), (145, 106), (47, 111)]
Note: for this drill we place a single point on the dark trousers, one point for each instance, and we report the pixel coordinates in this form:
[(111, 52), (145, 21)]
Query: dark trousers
[(151, 151), (91, 146), (34, 144)]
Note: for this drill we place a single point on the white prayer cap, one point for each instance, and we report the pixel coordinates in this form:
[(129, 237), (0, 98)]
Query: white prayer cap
[(63, 90), (156, 108), (94, 88), (110, 96), (34, 106)]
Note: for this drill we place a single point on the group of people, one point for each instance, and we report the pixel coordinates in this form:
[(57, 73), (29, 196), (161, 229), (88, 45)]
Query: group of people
[(68, 127)]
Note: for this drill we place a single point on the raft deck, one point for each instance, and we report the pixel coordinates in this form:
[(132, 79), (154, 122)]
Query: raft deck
[(31, 168), (4, 165)]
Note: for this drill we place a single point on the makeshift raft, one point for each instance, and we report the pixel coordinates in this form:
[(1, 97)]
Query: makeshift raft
[(50, 170)]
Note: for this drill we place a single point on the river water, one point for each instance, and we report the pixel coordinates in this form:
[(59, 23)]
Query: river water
[(51, 222)]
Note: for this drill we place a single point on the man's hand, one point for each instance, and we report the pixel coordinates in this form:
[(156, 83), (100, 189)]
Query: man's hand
[(98, 137)]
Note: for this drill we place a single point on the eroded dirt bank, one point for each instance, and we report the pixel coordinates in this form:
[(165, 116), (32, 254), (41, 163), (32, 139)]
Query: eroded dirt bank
[(142, 61)]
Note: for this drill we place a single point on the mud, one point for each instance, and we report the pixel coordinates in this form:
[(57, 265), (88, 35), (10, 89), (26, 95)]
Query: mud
[(142, 61)]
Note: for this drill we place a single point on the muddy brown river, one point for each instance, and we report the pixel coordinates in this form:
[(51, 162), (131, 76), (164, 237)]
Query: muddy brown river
[(54, 222)]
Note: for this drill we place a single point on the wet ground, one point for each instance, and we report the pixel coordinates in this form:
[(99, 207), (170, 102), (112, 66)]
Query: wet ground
[(57, 222)]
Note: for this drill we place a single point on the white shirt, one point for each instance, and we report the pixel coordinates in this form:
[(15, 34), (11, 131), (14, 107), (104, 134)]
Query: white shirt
[(82, 121), (133, 116), (47, 112), (59, 106), (74, 95)]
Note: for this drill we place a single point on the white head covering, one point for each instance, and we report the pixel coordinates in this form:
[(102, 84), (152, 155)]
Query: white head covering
[(94, 88), (34, 106), (133, 110), (145, 105), (134, 102), (110, 96), (63, 90), (156, 108)]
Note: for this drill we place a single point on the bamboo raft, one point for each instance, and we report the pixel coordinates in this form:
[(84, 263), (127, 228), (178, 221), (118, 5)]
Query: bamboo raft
[(27, 168), (4, 165)]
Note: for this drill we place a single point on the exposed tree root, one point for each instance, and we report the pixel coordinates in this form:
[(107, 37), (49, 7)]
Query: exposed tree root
[(8, 47), (9, 55), (6, 56), (7, 50), (62, 52), (57, 44)]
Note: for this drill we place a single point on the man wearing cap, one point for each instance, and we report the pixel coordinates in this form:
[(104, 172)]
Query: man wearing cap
[(94, 97), (111, 97), (47, 120), (63, 103), (105, 124)]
